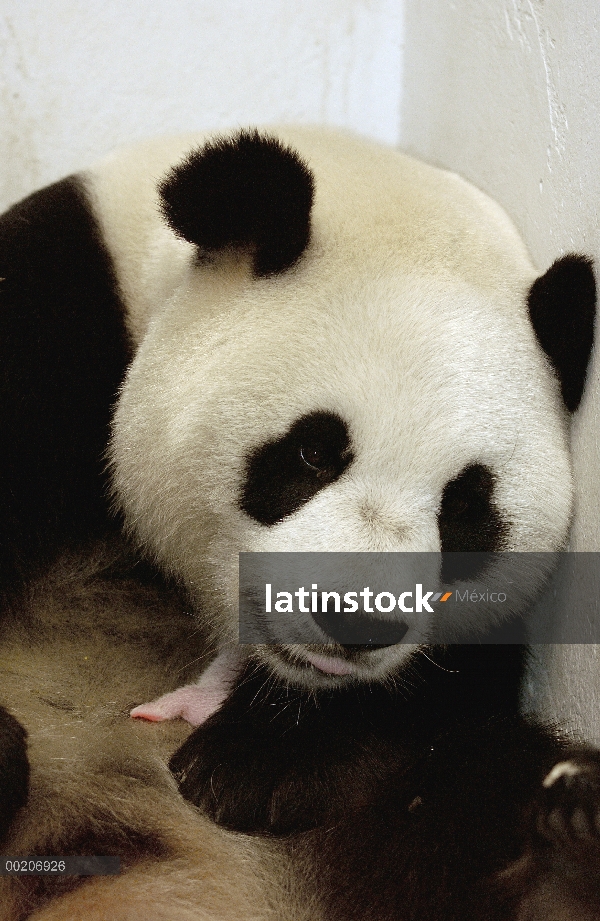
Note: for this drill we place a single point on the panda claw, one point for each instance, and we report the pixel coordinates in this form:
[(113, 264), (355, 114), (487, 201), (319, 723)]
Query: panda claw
[(568, 813), (561, 769)]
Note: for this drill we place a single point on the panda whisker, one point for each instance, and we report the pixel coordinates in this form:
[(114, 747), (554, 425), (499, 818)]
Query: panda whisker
[(394, 685), (199, 660), (281, 710), (450, 671), (263, 690)]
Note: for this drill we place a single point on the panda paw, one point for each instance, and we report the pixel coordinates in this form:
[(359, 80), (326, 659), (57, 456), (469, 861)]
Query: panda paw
[(245, 783), (558, 875), (568, 810)]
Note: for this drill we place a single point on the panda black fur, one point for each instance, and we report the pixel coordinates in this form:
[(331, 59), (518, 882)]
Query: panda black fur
[(63, 352), (386, 329)]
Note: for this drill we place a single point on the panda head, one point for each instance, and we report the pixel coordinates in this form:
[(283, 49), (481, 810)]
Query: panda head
[(357, 356)]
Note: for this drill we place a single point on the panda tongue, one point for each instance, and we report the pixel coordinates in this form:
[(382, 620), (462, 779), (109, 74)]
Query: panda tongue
[(330, 665)]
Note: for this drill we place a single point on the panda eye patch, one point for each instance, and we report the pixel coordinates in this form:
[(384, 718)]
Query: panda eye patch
[(469, 521), (283, 474)]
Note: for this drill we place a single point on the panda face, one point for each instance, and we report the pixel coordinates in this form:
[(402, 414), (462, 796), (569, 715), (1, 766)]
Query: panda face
[(388, 375), (399, 414)]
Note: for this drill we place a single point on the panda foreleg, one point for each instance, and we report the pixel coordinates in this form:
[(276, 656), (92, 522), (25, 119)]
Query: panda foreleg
[(276, 759), (452, 834), (485, 816)]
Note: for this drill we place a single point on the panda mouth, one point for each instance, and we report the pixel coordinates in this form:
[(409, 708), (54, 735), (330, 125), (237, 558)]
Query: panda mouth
[(347, 665), (303, 658)]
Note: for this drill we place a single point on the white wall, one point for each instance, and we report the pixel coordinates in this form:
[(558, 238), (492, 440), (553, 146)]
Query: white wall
[(77, 79), (507, 92)]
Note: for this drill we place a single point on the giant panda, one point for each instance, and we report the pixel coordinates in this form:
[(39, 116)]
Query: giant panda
[(295, 340)]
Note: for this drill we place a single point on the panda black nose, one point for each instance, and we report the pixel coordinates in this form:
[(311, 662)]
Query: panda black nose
[(357, 631)]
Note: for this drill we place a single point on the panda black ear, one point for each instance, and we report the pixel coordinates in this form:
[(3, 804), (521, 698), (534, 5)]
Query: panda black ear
[(246, 191), (562, 306)]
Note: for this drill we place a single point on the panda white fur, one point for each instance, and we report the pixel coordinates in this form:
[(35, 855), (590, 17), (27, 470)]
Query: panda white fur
[(329, 346)]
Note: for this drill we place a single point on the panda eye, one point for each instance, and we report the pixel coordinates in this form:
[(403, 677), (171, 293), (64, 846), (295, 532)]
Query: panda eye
[(314, 457)]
